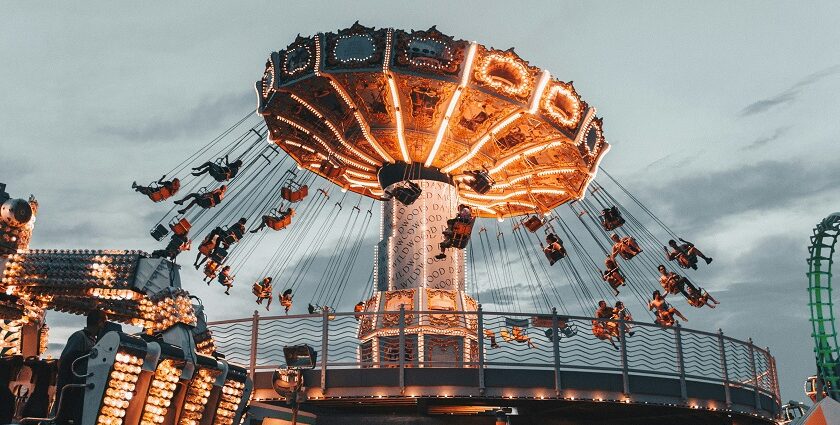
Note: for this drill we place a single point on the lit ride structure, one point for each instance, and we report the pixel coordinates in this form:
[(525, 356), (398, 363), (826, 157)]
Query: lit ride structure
[(428, 125), (170, 374), (372, 110)]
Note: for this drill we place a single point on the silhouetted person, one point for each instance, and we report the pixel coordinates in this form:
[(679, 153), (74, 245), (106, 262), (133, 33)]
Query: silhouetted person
[(78, 345)]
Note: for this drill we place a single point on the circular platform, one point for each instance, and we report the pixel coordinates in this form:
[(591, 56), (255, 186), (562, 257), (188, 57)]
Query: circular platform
[(674, 374)]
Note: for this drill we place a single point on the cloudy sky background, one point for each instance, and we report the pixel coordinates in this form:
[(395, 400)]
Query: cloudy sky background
[(723, 119)]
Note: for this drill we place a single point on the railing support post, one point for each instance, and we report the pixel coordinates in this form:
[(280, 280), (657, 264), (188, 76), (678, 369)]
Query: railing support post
[(402, 349), (480, 320), (555, 345), (755, 375), (255, 329), (775, 377), (625, 373), (680, 362), (325, 331), (724, 368)]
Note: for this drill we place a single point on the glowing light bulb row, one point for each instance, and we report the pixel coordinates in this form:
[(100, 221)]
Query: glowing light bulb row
[(495, 61), (160, 314), (444, 125), (114, 294), (120, 389), (563, 104), (293, 72), (335, 131), (229, 401), (445, 55), (351, 59), (161, 391), (361, 121), (197, 395), (481, 142)]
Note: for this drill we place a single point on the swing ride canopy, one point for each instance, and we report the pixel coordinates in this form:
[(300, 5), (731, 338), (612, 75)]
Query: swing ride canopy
[(346, 104)]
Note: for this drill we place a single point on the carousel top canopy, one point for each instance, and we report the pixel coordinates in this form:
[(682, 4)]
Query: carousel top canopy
[(346, 105)]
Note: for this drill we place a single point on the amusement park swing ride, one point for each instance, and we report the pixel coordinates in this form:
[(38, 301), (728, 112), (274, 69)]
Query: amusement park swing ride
[(480, 168)]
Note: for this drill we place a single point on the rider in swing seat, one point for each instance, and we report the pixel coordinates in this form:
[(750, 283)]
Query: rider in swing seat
[(234, 233), (177, 244), (286, 300), (664, 311), (554, 249), (611, 218), (207, 246), (625, 247), (457, 232), (276, 222), (686, 254), (604, 329), (204, 200), (263, 289), (612, 275), (698, 297), (226, 279), (218, 171), (160, 190)]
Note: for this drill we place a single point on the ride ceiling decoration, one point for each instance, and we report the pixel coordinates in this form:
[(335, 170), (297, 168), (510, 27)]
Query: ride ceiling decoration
[(362, 98)]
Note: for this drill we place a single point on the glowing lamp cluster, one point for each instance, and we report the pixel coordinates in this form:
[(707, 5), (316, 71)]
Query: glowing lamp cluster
[(231, 397), (122, 386), (161, 391), (363, 98), (197, 395)]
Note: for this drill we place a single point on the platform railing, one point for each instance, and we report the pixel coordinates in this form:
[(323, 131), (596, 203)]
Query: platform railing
[(645, 350)]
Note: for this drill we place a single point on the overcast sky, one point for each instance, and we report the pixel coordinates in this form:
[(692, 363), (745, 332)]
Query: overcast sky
[(723, 117)]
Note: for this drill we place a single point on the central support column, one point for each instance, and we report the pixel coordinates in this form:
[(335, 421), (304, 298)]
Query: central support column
[(411, 237), (419, 293)]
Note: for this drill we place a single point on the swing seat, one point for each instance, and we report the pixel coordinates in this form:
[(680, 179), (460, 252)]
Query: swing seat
[(461, 234), (407, 195), (554, 255), (180, 227), (286, 302), (256, 289), (218, 255), (207, 248), (297, 195), (159, 232), (505, 335), (210, 269), (533, 223), (481, 182), (280, 223), (330, 170)]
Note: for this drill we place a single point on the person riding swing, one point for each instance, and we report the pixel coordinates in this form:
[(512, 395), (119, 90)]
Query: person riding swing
[(611, 218), (612, 275), (203, 199), (276, 221), (286, 300), (218, 171), (664, 311), (160, 190), (457, 232), (263, 290), (554, 249), (208, 246), (686, 254), (625, 247), (177, 244), (226, 279)]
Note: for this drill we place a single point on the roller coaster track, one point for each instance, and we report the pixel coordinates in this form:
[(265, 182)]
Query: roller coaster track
[(826, 348)]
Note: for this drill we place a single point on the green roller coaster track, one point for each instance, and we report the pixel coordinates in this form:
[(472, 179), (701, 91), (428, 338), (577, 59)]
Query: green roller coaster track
[(826, 348)]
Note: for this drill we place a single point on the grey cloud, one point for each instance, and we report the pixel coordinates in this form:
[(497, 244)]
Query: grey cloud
[(788, 96), (764, 140), (207, 115), (715, 195)]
